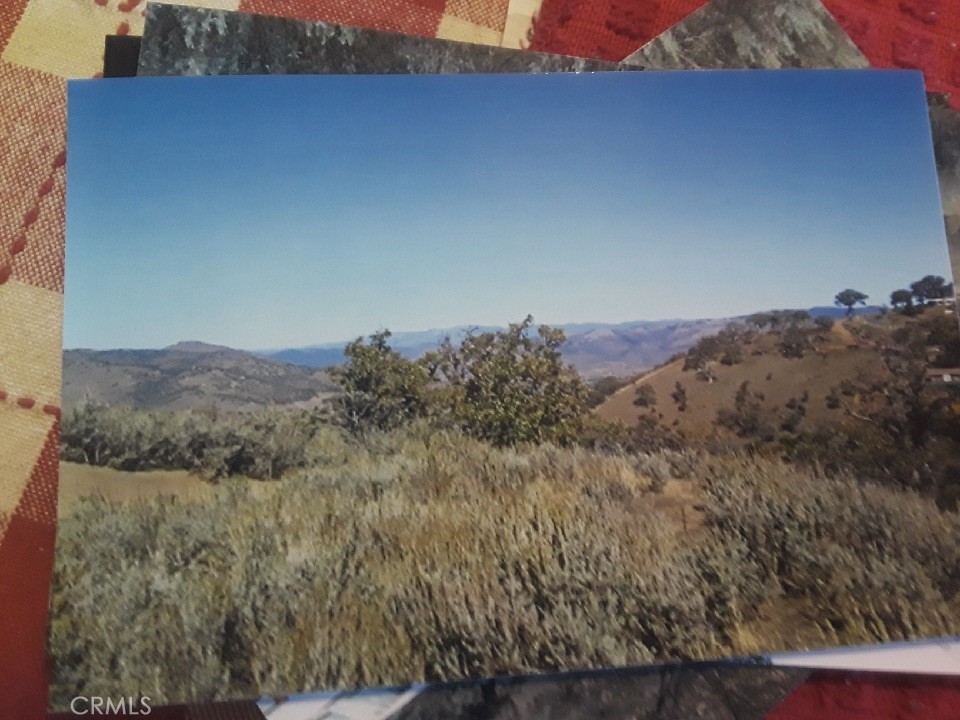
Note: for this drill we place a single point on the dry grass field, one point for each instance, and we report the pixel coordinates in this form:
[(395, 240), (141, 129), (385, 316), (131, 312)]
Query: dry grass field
[(425, 556), (116, 486)]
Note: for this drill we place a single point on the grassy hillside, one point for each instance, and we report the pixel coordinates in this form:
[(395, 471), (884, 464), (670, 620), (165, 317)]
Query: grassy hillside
[(859, 396), (425, 555), (835, 357), (469, 515), (188, 376)]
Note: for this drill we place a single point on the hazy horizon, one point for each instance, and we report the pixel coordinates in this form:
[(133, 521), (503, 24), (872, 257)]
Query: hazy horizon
[(480, 327), (283, 212), (393, 332)]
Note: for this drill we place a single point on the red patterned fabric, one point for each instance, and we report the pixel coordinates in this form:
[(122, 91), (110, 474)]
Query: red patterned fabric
[(33, 150), (10, 12), (26, 561), (486, 13), (414, 17), (844, 695), (604, 29), (915, 34), (32, 175), (390, 15)]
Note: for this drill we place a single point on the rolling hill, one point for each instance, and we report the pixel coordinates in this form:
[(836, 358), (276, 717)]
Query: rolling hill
[(188, 375), (851, 351), (193, 374), (776, 378)]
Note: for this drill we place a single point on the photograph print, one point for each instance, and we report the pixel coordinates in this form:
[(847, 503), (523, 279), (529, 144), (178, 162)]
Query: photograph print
[(379, 380)]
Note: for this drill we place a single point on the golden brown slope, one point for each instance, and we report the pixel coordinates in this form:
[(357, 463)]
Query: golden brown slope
[(774, 380)]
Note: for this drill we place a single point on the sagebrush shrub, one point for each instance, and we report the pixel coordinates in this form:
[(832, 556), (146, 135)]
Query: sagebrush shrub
[(263, 444), (425, 555)]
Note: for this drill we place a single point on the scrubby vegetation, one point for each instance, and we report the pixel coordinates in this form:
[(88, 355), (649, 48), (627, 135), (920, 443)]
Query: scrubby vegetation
[(897, 426), (426, 555), (262, 445), (467, 514), (602, 388), (875, 563), (890, 422), (645, 396)]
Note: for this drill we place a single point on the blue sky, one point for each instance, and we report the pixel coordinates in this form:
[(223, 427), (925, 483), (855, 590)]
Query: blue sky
[(286, 211)]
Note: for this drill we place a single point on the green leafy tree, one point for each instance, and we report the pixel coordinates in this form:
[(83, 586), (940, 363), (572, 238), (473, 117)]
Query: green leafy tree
[(930, 287), (848, 298), (776, 320), (702, 353), (732, 339), (901, 299), (511, 386), (381, 389)]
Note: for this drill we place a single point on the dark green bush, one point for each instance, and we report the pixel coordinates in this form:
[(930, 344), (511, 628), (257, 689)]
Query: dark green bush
[(382, 390), (511, 386), (645, 396)]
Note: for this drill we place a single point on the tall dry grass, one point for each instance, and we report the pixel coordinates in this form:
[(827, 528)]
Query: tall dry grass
[(426, 555)]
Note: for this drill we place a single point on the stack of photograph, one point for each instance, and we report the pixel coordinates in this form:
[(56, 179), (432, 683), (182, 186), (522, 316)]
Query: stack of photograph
[(459, 385)]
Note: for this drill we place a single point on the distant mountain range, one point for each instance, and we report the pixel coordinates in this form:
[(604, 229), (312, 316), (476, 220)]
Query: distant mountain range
[(410, 344), (193, 374), (595, 349)]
